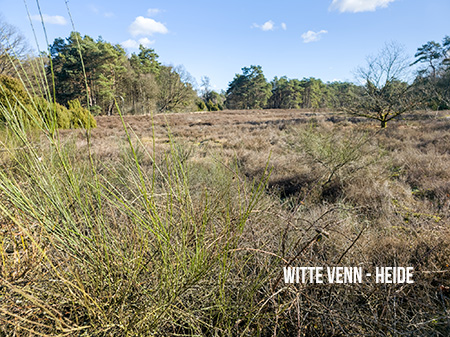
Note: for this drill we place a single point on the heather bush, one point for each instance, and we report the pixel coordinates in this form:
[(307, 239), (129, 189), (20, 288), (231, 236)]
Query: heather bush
[(80, 117)]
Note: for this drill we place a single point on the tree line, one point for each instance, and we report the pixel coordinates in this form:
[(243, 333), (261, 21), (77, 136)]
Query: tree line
[(385, 78), (99, 75), (102, 77), (251, 90)]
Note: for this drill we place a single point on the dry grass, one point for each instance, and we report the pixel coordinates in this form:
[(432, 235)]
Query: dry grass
[(340, 192)]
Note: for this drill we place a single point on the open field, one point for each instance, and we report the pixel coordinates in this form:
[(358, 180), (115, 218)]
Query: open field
[(416, 147), (186, 231)]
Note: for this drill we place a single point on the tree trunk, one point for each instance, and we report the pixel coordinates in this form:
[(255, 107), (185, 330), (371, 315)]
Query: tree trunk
[(110, 108), (383, 123)]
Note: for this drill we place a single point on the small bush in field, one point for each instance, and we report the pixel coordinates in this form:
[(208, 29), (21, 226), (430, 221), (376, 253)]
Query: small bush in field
[(81, 117), (12, 91), (212, 107), (201, 106), (48, 109), (14, 98)]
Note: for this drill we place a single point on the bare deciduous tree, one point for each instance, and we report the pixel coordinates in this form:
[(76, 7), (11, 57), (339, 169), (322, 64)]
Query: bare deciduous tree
[(175, 89), (386, 93), (13, 47)]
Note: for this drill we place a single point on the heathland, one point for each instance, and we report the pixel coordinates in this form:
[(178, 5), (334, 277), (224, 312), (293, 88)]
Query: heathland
[(134, 203), (181, 224)]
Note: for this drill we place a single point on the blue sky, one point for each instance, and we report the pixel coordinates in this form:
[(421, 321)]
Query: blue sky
[(326, 39)]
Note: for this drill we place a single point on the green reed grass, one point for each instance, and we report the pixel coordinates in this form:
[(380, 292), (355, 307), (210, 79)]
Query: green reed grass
[(124, 252)]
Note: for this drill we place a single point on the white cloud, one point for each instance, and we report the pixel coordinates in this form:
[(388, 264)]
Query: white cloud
[(146, 26), (109, 15), (269, 25), (50, 19), (311, 36), (266, 26), (133, 44), (153, 11), (355, 6), (283, 26), (146, 42)]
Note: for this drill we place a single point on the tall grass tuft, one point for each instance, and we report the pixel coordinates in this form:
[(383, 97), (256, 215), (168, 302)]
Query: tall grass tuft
[(95, 249), (124, 252)]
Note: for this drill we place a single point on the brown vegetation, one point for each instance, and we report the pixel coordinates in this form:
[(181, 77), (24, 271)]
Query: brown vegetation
[(341, 192)]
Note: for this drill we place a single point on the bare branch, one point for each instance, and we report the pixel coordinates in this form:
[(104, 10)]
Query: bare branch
[(13, 47)]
